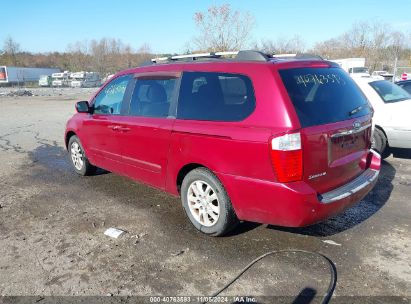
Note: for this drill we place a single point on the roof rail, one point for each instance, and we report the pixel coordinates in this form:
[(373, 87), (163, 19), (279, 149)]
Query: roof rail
[(247, 55), (194, 56), (239, 56), (297, 56), (284, 55)]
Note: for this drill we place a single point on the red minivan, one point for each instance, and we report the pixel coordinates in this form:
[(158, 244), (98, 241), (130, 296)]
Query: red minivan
[(283, 141)]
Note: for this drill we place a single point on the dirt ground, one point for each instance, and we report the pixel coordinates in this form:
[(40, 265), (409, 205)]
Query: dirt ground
[(52, 223)]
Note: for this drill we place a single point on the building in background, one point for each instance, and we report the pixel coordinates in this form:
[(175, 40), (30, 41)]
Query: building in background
[(21, 76)]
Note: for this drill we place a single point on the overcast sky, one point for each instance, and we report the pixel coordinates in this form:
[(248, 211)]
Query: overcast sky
[(42, 26)]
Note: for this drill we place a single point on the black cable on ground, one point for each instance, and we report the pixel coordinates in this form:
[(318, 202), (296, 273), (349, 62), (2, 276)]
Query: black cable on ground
[(333, 271)]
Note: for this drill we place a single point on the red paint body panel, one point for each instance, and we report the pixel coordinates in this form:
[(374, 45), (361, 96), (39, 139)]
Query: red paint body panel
[(324, 154), (154, 150), (221, 149), (290, 205), (145, 148)]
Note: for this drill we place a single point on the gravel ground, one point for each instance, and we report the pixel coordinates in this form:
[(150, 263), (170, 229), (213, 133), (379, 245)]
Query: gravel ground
[(64, 92), (52, 223)]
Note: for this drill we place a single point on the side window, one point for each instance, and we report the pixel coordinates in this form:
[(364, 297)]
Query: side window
[(109, 100), (152, 97), (215, 97)]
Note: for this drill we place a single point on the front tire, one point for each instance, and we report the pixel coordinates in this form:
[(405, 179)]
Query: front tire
[(78, 157), (206, 203)]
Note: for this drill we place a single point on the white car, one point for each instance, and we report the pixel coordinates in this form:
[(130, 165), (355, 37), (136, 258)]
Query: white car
[(383, 75), (359, 72), (392, 116)]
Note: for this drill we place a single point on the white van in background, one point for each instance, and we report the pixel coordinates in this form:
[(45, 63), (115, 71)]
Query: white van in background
[(60, 79), (85, 80), (45, 81), (353, 66)]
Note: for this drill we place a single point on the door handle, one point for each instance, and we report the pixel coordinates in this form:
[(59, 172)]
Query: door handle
[(118, 128), (114, 128), (123, 129)]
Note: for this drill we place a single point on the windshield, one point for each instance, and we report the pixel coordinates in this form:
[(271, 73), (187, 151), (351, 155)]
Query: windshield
[(324, 95), (389, 92)]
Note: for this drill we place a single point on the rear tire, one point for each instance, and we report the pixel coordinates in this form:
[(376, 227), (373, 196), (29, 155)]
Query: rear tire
[(380, 143), (207, 204), (78, 157)]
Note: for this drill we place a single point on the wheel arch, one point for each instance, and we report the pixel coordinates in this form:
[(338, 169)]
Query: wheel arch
[(184, 171), (383, 131), (69, 134)]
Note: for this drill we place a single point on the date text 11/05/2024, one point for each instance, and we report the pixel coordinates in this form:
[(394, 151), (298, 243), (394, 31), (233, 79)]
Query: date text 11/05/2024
[(203, 299)]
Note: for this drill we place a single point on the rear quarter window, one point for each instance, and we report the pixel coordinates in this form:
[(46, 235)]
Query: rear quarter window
[(215, 96), (324, 95)]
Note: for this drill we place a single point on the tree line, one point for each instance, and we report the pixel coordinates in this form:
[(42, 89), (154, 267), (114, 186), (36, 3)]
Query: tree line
[(222, 28), (106, 56)]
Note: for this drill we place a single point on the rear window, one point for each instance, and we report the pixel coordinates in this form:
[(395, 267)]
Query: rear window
[(389, 92), (324, 95), (215, 96)]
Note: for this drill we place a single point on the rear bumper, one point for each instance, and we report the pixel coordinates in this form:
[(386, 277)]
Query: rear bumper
[(356, 185), (296, 204)]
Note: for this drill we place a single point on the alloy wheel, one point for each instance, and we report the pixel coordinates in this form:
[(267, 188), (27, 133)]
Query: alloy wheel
[(203, 203), (77, 156)]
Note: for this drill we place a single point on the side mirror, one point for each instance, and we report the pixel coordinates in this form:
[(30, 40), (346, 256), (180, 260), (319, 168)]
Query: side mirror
[(83, 107)]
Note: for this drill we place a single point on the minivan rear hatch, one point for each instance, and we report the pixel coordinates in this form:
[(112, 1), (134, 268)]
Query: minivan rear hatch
[(335, 119)]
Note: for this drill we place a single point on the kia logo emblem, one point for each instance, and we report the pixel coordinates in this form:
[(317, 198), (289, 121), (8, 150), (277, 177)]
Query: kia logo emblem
[(356, 125)]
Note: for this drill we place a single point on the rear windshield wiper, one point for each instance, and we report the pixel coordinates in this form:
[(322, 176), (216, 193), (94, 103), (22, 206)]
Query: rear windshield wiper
[(356, 110)]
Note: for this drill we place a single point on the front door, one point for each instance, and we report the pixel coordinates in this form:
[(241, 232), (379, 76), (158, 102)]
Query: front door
[(100, 131)]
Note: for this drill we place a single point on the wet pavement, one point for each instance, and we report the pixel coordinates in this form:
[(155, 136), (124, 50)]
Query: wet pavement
[(52, 225)]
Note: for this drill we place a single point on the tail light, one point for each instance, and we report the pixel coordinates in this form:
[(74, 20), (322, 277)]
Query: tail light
[(287, 157)]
